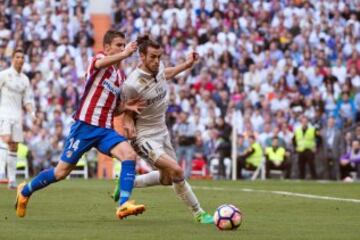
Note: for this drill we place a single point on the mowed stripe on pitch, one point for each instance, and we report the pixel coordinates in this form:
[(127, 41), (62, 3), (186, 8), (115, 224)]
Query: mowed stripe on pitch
[(292, 194)]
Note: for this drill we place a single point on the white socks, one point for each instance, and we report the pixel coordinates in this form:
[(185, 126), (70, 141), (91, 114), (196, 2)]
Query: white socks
[(11, 166), (147, 180), (185, 193), (181, 188), (3, 157)]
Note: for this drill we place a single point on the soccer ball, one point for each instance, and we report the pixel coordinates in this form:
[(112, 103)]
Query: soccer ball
[(227, 217)]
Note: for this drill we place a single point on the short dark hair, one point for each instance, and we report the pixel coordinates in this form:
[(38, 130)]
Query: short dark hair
[(144, 42), (18, 50), (110, 35)]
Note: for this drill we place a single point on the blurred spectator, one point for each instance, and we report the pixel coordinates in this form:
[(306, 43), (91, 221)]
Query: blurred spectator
[(350, 160), (345, 108), (57, 38), (224, 148), (251, 159), (331, 141), (185, 142), (305, 144), (276, 157)]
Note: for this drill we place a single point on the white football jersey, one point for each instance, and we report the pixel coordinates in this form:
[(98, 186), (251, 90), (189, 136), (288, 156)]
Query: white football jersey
[(154, 90), (15, 91)]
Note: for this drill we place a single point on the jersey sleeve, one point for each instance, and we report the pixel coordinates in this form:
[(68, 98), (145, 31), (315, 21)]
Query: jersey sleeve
[(92, 67)]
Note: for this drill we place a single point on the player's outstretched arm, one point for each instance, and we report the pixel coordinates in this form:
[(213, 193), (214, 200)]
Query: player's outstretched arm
[(116, 58), (191, 59)]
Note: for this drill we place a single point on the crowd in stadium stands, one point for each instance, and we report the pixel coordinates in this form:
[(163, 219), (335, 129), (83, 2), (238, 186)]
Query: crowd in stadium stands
[(267, 68), (57, 39)]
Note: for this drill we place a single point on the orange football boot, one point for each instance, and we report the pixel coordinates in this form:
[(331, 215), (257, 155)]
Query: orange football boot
[(129, 208), (21, 201)]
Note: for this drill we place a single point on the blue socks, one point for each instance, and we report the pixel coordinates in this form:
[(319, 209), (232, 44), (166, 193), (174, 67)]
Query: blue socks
[(127, 178), (43, 179), (46, 177)]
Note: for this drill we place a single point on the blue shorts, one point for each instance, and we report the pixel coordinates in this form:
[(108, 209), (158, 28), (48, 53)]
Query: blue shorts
[(84, 136)]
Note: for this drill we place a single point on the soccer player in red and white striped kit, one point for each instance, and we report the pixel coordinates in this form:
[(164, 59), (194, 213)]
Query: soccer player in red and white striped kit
[(93, 126)]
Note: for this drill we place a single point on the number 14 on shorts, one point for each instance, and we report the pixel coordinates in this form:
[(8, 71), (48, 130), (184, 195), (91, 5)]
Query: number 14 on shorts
[(73, 147), (74, 144)]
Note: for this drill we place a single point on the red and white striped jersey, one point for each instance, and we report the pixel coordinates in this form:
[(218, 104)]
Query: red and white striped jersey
[(101, 94)]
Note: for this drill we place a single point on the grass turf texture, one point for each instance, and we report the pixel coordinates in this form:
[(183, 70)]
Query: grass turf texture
[(79, 209)]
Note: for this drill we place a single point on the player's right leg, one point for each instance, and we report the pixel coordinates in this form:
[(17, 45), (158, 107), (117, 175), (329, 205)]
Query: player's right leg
[(81, 138), (41, 181), (5, 138), (4, 149)]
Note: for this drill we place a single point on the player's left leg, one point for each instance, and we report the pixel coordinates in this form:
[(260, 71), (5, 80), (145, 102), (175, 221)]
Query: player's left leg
[(4, 149), (11, 164), (182, 188), (115, 145), (17, 135), (5, 138)]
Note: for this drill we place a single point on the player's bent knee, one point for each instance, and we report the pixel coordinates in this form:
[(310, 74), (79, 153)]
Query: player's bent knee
[(6, 139), (165, 179), (61, 175), (124, 152), (178, 173), (130, 155), (62, 170)]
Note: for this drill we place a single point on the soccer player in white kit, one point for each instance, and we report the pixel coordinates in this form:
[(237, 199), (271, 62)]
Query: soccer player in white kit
[(152, 141), (15, 92)]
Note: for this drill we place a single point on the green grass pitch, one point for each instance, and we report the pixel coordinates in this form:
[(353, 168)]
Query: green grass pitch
[(79, 209)]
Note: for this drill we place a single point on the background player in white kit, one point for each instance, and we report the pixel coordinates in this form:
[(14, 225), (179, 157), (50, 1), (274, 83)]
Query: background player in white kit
[(152, 140), (15, 92)]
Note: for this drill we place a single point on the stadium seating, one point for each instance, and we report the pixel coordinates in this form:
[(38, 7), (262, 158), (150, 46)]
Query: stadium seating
[(81, 169)]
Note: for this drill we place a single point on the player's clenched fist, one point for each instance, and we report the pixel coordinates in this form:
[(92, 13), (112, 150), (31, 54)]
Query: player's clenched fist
[(192, 58), (130, 48)]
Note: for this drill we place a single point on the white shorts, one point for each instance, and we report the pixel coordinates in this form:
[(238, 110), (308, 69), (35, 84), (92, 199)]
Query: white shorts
[(151, 147), (13, 128)]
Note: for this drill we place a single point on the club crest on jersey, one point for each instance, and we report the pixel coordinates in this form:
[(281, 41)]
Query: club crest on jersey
[(111, 87), (69, 153), (142, 81)]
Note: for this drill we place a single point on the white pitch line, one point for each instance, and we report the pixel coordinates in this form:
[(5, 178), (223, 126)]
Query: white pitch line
[(303, 195)]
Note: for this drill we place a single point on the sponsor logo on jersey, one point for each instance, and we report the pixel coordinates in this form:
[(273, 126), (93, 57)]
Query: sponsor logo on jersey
[(111, 87), (157, 98)]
